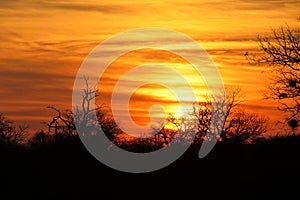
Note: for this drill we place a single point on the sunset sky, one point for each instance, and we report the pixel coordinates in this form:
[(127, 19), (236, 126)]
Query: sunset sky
[(43, 44)]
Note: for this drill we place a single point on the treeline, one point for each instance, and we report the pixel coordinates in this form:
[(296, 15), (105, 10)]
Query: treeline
[(242, 139), (235, 126), (56, 164), (241, 128), (53, 163)]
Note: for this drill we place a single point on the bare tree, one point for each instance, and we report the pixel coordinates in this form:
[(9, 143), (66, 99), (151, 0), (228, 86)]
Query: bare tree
[(9, 134), (203, 114), (281, 51), (62, 123), (245, 127), (83, 116), (239, 126), (202, 119)]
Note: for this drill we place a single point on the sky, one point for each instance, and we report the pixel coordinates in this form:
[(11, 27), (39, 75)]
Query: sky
[(44, 43)]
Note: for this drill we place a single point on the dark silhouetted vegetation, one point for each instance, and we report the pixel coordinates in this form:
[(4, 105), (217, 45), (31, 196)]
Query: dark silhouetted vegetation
[(53, 163), (280, 52)]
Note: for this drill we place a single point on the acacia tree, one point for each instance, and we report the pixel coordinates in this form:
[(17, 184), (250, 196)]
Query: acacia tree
[(281, 52)]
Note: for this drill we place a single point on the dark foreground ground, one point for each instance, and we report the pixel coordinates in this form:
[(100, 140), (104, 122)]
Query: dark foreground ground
[(65, 170)]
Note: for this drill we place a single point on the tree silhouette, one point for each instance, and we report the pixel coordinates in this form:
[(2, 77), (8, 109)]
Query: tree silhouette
[(10, 136), (108, 124), (281, 51), (203, 115), (245, 127), (39, 139), (239, 126), (62, 123)]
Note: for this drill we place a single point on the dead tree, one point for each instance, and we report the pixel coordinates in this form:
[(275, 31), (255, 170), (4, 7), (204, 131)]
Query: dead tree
[(280, 53)]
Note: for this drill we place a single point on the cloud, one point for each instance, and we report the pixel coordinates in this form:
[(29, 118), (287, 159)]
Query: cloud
[(15, 41), (44, 42), (241, 4), (25, 93), (40, 80), (65, 5), (86, 7)]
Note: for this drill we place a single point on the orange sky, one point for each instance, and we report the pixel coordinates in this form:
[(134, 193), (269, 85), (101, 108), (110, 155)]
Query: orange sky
[(43, 44)]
